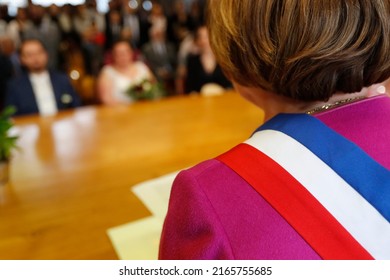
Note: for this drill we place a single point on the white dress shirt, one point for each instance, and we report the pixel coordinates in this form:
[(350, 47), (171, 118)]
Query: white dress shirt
[(44, 93)]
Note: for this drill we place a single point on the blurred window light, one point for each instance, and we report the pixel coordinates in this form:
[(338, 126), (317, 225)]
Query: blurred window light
[(133, 4), (75, 75), (47, 3), (13, 5), (147, 5)]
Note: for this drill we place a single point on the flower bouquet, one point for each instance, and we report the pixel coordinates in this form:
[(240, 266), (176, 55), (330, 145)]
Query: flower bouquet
[(146, 90)]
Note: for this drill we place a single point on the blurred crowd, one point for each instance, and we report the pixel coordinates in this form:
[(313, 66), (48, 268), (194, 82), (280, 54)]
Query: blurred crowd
[(79, 41)]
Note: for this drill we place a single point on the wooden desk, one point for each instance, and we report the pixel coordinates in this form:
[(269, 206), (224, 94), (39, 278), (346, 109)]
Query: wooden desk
[(72, 179)]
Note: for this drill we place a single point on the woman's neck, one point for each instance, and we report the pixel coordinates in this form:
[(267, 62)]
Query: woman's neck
[(273, 104)]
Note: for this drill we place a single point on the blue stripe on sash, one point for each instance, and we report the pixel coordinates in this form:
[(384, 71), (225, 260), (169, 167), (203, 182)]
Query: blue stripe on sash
[(349, 161)]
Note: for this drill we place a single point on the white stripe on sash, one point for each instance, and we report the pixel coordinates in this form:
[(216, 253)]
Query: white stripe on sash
[(356, 214)]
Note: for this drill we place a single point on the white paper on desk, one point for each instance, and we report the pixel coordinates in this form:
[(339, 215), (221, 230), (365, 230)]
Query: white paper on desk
[(138, 240), (154, 194)]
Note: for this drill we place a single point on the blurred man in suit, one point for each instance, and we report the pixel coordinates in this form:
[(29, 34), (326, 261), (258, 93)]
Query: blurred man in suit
[(38, 90), (160, 55)]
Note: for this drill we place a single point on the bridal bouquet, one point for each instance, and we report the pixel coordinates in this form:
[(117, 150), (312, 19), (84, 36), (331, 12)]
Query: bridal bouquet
[(146, 90)]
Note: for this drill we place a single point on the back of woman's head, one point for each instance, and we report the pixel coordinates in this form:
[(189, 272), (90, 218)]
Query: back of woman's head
[(303, 49)]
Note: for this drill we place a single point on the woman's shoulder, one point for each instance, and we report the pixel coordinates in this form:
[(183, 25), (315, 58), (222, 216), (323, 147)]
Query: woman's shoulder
[(212, 198), (141, 68), (108, 70), (186, 223), (139, 64), (208, 178), (204, 169)]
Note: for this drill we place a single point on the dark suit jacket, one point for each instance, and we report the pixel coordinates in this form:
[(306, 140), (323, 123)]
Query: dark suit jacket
[(20, 94), (156, 60), (198, 77)]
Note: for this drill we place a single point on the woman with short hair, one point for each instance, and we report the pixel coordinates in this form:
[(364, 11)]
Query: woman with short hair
[(313, 181)]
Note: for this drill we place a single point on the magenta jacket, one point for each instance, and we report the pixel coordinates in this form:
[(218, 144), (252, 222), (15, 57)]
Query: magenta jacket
[(214, 214)]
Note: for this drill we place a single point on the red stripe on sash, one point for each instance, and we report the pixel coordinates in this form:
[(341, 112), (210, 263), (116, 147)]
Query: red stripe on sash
[(294, 203)]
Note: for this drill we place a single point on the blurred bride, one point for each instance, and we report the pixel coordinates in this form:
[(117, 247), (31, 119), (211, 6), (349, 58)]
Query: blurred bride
[(116, 78)]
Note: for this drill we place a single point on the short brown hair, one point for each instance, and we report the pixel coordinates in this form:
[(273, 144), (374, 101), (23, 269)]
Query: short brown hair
[(303, 49)]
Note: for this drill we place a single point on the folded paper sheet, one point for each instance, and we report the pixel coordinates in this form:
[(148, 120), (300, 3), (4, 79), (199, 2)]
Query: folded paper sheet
[(155, 193), (139, 240)]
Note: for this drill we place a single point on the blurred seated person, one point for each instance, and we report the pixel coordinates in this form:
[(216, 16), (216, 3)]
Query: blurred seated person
[(187, 47), (38, 90), (202, 68), (113, 28), (160, 55), (132, 22), (115, 79), (9, 49)]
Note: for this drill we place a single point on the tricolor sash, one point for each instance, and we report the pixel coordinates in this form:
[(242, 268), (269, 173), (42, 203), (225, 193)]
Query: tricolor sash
[(327, 188)]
